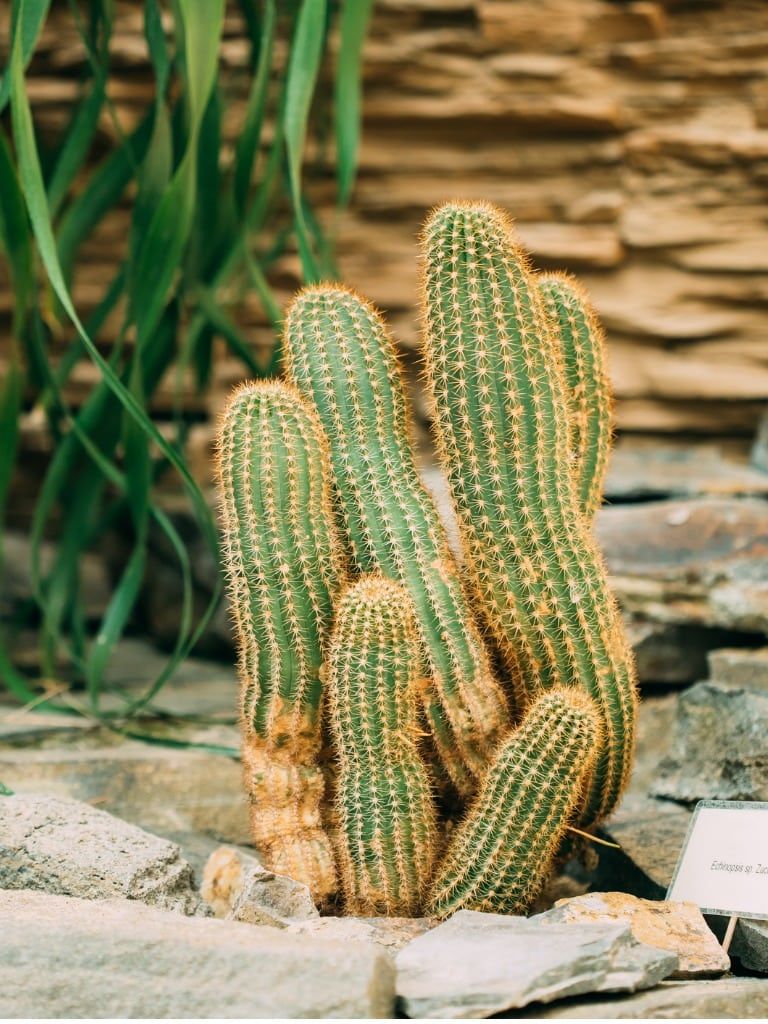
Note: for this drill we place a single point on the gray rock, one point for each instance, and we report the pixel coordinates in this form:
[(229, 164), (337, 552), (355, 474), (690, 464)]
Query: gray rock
[(69, 958), (643, 470), (650, 835), (719, 749), (679, 928), (724, 999), (237, 886), (165, 790), (703, 561), (737, 666), (759, 454), (475, 964), (671, 653), (655, 729), (69, 848), (750, 945)]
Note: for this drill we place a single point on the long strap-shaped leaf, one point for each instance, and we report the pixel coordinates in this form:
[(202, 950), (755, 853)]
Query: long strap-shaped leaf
[(34, 193), (355, 15), (303, 67)]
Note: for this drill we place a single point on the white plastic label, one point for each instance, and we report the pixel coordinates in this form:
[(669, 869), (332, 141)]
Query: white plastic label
[(723, 866)]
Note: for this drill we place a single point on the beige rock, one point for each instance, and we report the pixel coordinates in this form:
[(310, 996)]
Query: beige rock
[(677, 927), (239, 888)]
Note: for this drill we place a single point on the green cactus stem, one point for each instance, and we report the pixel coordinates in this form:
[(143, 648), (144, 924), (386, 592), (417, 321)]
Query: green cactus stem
[(283, 558), (503, 852), (384, 808), (588, 389), (495, 371), (341, 358)]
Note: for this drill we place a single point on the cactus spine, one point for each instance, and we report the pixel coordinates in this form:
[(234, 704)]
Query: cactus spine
[(586, 379), (383, 804), (503, 851), (340, 357), (494, 368), (283, 559)]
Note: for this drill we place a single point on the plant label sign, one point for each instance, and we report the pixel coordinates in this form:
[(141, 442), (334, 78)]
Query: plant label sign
[(723, 866)]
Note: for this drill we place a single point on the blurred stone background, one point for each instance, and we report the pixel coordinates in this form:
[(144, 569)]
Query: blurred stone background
[(629, 140)]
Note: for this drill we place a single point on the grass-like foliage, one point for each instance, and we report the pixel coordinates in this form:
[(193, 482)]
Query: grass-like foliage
[(206, 220)]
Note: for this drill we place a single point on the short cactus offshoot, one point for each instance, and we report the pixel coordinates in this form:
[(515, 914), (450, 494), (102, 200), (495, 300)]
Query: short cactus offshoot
[(284, 562), (322, 468), (343, 361), (386, 817), (502, 852), (495, 370)]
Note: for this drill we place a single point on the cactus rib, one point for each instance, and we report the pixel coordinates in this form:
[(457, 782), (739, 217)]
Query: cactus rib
[(494, 369), (504, 849), (283, 559), (383, 801), (341, 358)]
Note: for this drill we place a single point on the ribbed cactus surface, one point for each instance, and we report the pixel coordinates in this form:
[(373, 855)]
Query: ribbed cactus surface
[(587, 388), (283, 558), (384, 808), (341, 358), (495, 370), (502, 853)]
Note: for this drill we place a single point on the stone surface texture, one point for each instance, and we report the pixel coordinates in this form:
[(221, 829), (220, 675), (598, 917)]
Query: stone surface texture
[(69, 958), (679, 928), (238, 887), (698, 562), (650, 835), (739, 667), (476, 964), (750, 945), (71, 849), (719, 750), (723, 999), (162, 789)]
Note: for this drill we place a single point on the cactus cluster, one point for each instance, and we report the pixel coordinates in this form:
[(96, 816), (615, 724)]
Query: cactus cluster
[(366, 650)]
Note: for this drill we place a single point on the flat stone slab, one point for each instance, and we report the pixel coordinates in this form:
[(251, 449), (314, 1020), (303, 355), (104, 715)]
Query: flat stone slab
[(737, 666), (641, 470), (650, 834), (477, 964), (719, 750), (391, 933), (723, 998), (69, 848), (750, 945), (162, 789), (674, 653), (70, 958), (679, 928), (701, 561)]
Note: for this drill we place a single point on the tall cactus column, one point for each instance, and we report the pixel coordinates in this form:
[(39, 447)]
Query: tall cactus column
[(283, 559), (587, 388), (383, 800), (340, 357), (495, 370)]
